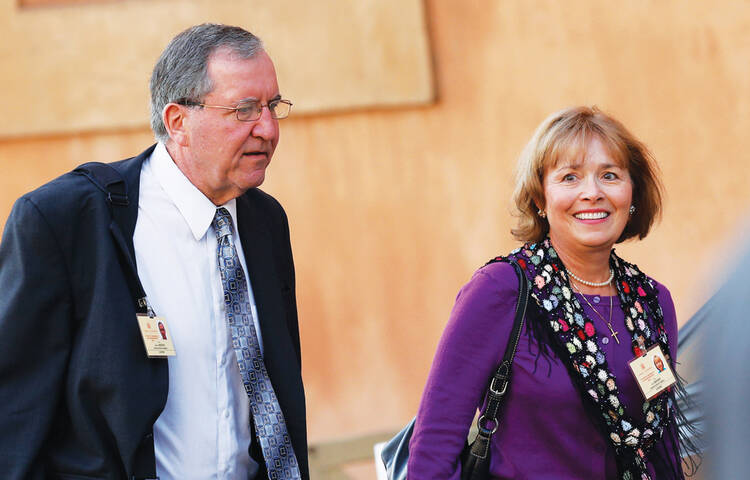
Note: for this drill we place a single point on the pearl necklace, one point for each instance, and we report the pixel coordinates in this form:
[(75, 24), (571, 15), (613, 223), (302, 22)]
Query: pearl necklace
[(593, 284)]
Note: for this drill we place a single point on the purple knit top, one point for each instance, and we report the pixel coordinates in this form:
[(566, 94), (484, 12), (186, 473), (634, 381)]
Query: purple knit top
[(544, 432)]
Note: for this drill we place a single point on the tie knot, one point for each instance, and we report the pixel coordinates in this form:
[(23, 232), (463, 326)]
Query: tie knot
[(222, 223)]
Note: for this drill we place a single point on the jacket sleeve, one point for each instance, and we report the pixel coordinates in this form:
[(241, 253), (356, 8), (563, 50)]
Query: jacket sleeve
[(469, 351), (35, 320)]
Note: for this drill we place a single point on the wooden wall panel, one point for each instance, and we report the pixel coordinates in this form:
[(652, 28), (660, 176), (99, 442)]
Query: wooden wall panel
[(86, 67)]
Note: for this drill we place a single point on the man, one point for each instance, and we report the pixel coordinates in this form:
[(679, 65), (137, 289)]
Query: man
[(82, 392)]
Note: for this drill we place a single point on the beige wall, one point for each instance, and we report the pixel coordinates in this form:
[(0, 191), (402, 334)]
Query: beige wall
[(392, 209), (86, 67)]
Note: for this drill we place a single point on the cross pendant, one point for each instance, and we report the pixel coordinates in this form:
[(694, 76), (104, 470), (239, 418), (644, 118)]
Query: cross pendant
[(614, 334)]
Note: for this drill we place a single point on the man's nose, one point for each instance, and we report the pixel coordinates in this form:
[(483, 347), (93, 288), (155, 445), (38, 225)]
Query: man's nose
[(266, 126)]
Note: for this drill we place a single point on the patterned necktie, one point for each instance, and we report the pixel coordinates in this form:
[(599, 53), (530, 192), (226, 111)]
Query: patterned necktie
[(270, 425)]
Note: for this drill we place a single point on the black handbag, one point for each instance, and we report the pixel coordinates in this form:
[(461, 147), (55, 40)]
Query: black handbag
[(475, 457)]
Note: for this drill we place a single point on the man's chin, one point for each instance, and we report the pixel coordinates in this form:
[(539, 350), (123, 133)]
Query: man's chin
[(252, 180)]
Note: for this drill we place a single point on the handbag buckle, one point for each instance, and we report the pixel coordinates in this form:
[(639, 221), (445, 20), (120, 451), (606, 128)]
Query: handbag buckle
[(493, 388)]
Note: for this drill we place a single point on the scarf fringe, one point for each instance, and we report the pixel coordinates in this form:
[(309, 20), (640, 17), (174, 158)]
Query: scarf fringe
[(663, 458), (689, 451), (681, 430), (536, 331)]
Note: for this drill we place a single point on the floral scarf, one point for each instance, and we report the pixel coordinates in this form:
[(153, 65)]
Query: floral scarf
[(574, 338)]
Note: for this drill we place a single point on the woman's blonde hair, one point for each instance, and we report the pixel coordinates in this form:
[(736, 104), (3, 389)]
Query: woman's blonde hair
[(565, 134)]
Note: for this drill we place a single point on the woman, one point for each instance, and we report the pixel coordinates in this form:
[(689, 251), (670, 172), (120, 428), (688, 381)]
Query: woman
[(574, 409)]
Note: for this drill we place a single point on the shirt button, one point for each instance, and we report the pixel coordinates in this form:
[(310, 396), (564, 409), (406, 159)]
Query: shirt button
[(605, 340), (597, 299), (226, 413)]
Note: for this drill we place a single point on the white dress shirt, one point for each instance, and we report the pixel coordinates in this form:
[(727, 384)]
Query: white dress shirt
[(203, 432)]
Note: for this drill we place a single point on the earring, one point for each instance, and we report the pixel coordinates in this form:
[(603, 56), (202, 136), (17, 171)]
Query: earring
[(632, 209), (541, 213)]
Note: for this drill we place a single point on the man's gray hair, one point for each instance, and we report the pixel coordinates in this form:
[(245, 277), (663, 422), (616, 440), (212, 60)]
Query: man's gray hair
[(181, 73)]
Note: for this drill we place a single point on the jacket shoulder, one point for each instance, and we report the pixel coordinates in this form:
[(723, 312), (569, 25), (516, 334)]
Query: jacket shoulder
[(265, 208), (263, 200), (72, 191)]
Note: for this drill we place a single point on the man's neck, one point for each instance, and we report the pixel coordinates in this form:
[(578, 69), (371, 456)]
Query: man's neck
[(178, 156)]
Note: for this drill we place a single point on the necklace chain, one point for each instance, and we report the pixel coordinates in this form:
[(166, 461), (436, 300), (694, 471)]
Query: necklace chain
[(593, 284), (612, 331)]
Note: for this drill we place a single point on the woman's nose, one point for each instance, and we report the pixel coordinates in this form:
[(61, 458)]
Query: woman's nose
[(591, 189)]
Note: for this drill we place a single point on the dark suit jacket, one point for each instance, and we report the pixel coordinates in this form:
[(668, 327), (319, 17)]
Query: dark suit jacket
[(78, 396)]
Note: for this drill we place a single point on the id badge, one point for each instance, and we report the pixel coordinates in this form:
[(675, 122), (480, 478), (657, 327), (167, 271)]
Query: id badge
[(156, 336), (652, 372)]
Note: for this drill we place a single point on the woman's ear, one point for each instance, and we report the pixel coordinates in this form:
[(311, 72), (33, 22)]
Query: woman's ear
[(540, 208)]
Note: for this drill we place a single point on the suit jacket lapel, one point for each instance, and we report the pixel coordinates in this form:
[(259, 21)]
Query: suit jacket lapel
[(266, 263), (257, 243)]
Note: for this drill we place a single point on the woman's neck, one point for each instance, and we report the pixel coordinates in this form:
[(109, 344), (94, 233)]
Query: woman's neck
[(589, 265)]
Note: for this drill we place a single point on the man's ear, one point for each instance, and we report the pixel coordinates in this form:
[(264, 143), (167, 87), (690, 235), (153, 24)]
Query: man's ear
[(175, 121)]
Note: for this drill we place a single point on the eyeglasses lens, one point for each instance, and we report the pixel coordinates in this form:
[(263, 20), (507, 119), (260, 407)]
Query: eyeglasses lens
[(251, 111)]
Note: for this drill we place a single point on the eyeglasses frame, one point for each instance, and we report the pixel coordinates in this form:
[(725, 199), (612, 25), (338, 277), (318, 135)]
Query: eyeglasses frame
[(192, 103)]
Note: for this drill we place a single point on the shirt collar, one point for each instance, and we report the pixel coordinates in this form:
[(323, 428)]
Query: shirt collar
[(197, 210)]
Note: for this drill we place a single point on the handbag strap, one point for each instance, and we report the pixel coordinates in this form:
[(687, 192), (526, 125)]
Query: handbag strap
[(487, 423)]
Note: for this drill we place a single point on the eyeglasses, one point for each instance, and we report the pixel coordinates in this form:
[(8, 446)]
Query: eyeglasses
[(250, 110)]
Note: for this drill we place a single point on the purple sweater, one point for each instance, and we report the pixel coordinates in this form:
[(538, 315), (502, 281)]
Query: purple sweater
[(544, 432)]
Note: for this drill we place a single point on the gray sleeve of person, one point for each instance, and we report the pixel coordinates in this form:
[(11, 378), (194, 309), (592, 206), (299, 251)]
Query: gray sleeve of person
[(727, 376)]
